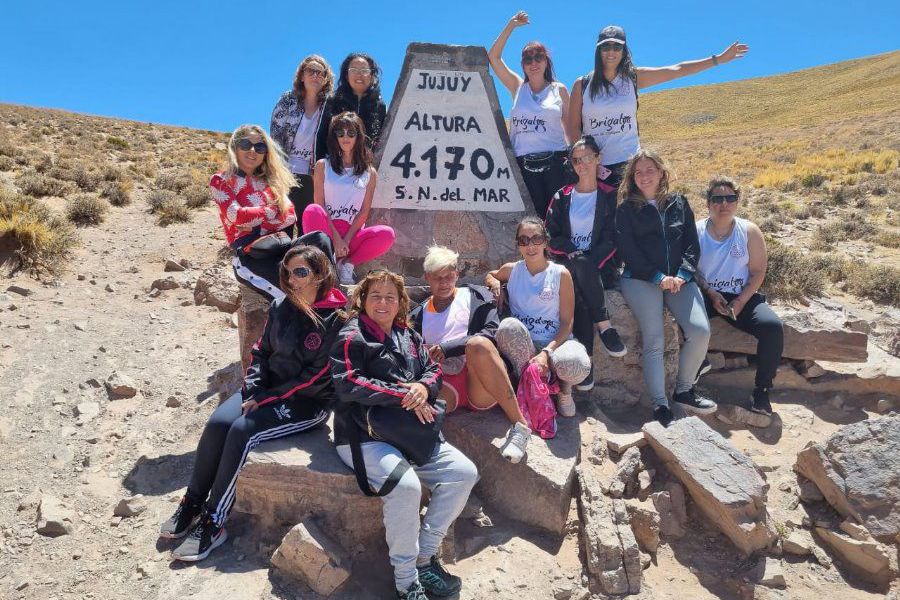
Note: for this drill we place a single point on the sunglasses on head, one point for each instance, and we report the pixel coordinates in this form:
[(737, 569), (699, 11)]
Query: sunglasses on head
[(301, 272), (350, 133), (534, 240), (246, 145), (611, 47), (729, 198), (531, 57)]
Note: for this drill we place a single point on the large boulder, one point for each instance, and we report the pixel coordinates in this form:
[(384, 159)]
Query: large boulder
[(858, 471), (821, 331), (308, 553), (538, 490), (621, 380), (866, 558), (217, 287), (723, 482)]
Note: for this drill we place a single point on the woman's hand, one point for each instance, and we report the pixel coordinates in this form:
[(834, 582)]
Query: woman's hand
[(248, 407), (666, 283), (677, 282), (416, 399), (341, 248), (542, 360), (497, 291), (736, 306), (519, 19), (718, 302), (436, 353), (735, 50)]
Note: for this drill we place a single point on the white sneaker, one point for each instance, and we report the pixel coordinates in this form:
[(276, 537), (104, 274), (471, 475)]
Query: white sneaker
[(345, 273), (564, 402), (516, 441)]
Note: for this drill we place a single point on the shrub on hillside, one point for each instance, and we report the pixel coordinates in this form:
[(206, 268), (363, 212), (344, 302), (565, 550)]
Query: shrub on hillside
[(849, 227), (37, 185), (157, 198), (86, 209), (174, 182), (879, 283), (117, 192), (38, 239), (196, 196), (791, 275), (117, 142), (7, 164), (172, 211)]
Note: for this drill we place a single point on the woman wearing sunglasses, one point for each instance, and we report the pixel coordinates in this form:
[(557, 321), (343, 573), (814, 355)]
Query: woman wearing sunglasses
[(604, 102), (542, 304), (287, 389), (344, 186), (359, 91), (581, 223), (252, 196), (733, 262), (295, 124), (536, 121), (657, 240)]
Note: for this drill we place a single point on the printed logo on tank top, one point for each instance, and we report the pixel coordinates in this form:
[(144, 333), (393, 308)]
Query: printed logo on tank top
[(528, 124), (611, 125), (733, 283), (313, 341), (736, 251), (536, 323), (582, 241), (344, 213)]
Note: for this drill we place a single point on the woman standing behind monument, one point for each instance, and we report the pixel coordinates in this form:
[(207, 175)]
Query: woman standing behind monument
[(358, 91), (296, 121), (604, 102), (537, 118), (344, 185)]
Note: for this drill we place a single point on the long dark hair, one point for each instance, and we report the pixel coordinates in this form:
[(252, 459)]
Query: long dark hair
[(537, 222), (346, 93), (588, 142), (362, 156), (321, 269), (598, 79), (549, 75)]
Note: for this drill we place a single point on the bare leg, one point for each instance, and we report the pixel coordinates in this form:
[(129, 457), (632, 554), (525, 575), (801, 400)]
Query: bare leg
[(487, 379), (448, 395)]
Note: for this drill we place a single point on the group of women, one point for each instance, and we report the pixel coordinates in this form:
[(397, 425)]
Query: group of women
[(391, 372)]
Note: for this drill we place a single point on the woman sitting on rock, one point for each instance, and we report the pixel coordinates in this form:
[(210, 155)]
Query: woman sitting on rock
[(379, 362), (733, 262), (287, 389), (542, 302), (657, 240), (344, 186), (252, 196), (581, 222), (458, 325)]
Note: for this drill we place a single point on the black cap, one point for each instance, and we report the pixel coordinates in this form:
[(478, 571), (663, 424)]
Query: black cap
[(611, 33)]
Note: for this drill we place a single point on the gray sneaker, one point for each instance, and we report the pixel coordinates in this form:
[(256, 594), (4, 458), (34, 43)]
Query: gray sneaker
[(693, 403), (517, 438)]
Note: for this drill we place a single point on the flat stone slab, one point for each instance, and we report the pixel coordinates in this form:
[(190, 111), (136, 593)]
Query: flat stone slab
[(821, 331), (538, 490), (723, 482)]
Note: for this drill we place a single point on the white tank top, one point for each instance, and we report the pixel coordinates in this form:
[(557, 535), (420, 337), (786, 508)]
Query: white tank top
[(581, 218), (344, 193), (535, 121), (611, 119), (534, 299), (724, 264), (301, 158)]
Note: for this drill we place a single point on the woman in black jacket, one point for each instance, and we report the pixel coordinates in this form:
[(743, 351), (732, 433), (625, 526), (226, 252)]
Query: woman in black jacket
[(379, 361), (358, 91), (459, 325), (287, 389), (657, 240), (581, 224)]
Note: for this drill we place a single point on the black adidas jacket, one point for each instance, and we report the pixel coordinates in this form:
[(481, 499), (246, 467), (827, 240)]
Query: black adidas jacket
[(367, 365), (483, 319), (603, 242)]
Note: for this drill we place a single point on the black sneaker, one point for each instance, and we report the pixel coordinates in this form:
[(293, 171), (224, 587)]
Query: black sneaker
[(705, 368), (181, 522), (693, 403), (588, 383), (759, 403), (205, 537), (413, 592), (663, 415), (436, 581), (612, 342)]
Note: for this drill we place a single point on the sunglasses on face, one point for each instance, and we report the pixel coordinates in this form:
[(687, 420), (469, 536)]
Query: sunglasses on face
[(534, 240), (246, 145), (350, 133), (359, 71), (301, 272), (527, 59), (611, 47), (583, 160), (312, 72), (729, 198)]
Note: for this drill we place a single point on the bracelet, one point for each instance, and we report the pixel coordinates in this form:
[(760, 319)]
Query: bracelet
[(715, 60)]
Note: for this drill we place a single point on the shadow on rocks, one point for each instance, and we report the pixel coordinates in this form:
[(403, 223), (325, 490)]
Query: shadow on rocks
[(156, 476)]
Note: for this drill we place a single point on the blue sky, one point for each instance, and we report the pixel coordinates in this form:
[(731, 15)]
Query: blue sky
[(214, 65)]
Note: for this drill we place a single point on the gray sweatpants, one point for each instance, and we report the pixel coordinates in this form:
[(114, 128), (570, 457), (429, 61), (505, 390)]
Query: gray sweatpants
[(646, 301), (570, 361), (450, 476)]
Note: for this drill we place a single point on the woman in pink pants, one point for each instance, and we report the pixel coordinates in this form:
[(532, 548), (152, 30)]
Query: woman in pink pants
[(343, 186)]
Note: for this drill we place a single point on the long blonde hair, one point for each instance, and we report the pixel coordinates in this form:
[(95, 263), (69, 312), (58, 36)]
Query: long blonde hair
[(628, 189), (273, 170)]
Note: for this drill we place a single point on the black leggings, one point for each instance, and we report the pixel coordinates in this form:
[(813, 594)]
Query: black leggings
[(301, 196), (228, 438), (542, 186), (759, 320), (590, 299)]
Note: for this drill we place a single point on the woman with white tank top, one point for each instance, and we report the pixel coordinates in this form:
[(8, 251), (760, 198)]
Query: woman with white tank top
[(732, 268), (542, 304), (343, 189), (536, 121), (604, 102)]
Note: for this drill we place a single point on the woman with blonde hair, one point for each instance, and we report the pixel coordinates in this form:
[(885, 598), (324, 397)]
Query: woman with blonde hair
[(257, 216), (657, 240), (296, 120)]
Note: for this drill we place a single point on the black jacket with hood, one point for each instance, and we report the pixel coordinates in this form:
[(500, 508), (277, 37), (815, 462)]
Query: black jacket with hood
[(371, 109), (603, 237), (483, 319)]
